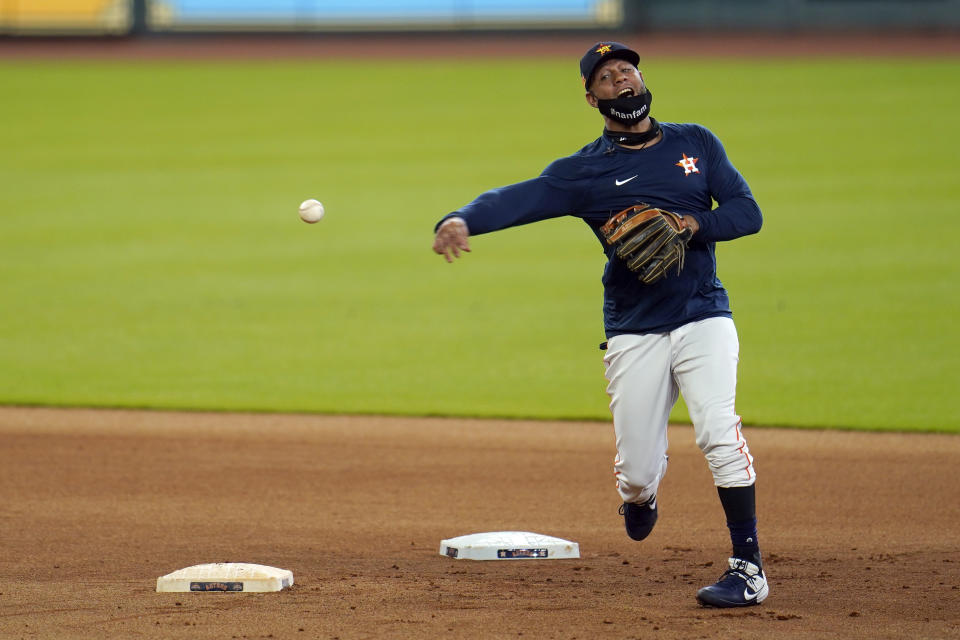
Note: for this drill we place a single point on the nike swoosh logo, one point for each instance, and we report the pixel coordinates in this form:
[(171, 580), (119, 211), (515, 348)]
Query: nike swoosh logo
[(620, 183), (749, 596)]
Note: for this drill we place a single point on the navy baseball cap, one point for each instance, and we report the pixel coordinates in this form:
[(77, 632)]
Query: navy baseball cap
[(601, 52)]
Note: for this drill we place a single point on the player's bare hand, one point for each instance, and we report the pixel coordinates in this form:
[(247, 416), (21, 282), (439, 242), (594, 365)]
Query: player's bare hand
[(452, 238), (691, 223)]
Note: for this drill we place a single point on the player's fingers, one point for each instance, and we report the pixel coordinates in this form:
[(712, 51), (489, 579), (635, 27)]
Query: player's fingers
[(457, 245), (444, 250), (450, 245)]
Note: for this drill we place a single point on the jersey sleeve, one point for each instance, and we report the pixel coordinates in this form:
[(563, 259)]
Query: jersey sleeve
[(737, 213), (556, 192)]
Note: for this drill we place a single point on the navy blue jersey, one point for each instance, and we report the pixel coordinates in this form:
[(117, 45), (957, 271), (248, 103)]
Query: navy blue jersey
[(686, 172)]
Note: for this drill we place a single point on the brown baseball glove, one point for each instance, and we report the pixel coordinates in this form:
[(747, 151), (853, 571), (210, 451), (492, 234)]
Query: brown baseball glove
[(649, 240)]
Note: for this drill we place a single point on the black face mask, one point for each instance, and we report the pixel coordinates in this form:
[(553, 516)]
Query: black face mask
[(629, 110)]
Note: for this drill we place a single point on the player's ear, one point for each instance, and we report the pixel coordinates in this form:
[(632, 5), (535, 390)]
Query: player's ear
[(591, 99)]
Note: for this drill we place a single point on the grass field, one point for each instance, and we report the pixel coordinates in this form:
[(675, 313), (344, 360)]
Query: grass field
[(152, 255)]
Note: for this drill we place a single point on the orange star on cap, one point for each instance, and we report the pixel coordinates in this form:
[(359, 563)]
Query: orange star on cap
[(604, 48)]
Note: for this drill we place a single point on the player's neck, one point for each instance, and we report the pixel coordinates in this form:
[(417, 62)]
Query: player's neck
[(641, 135)]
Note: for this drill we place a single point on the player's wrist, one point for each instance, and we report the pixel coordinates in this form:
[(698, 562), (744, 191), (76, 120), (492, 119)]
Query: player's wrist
[(455, 221), (450, 221)]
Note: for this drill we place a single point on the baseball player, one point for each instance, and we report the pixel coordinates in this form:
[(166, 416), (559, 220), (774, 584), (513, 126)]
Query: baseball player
[(667, 319)]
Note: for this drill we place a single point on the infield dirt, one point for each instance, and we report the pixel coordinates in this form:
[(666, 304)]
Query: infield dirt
[(860, 530)]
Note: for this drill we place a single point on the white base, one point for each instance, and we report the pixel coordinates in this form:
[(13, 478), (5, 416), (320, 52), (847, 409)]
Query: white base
[(508, 545), (226, 576)]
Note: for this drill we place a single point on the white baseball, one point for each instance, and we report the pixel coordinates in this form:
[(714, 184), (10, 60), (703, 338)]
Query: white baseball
[(311, 211)]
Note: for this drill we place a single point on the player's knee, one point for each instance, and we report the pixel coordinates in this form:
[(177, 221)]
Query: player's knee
[(719, 430)]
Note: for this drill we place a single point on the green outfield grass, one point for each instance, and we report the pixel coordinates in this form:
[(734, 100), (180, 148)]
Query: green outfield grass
[(152, 255)]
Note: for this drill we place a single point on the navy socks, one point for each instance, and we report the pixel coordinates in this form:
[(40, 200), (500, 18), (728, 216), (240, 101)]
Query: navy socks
[(739, 505)]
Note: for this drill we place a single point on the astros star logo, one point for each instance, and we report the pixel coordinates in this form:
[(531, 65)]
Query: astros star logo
[(604, 48), (689, 165)]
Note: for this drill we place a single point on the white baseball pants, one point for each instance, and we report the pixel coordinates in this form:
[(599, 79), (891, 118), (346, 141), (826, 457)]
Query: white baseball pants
[(645, 375)]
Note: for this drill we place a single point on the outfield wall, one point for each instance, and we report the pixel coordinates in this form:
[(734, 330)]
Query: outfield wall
[(780, 15), (122, 17)]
